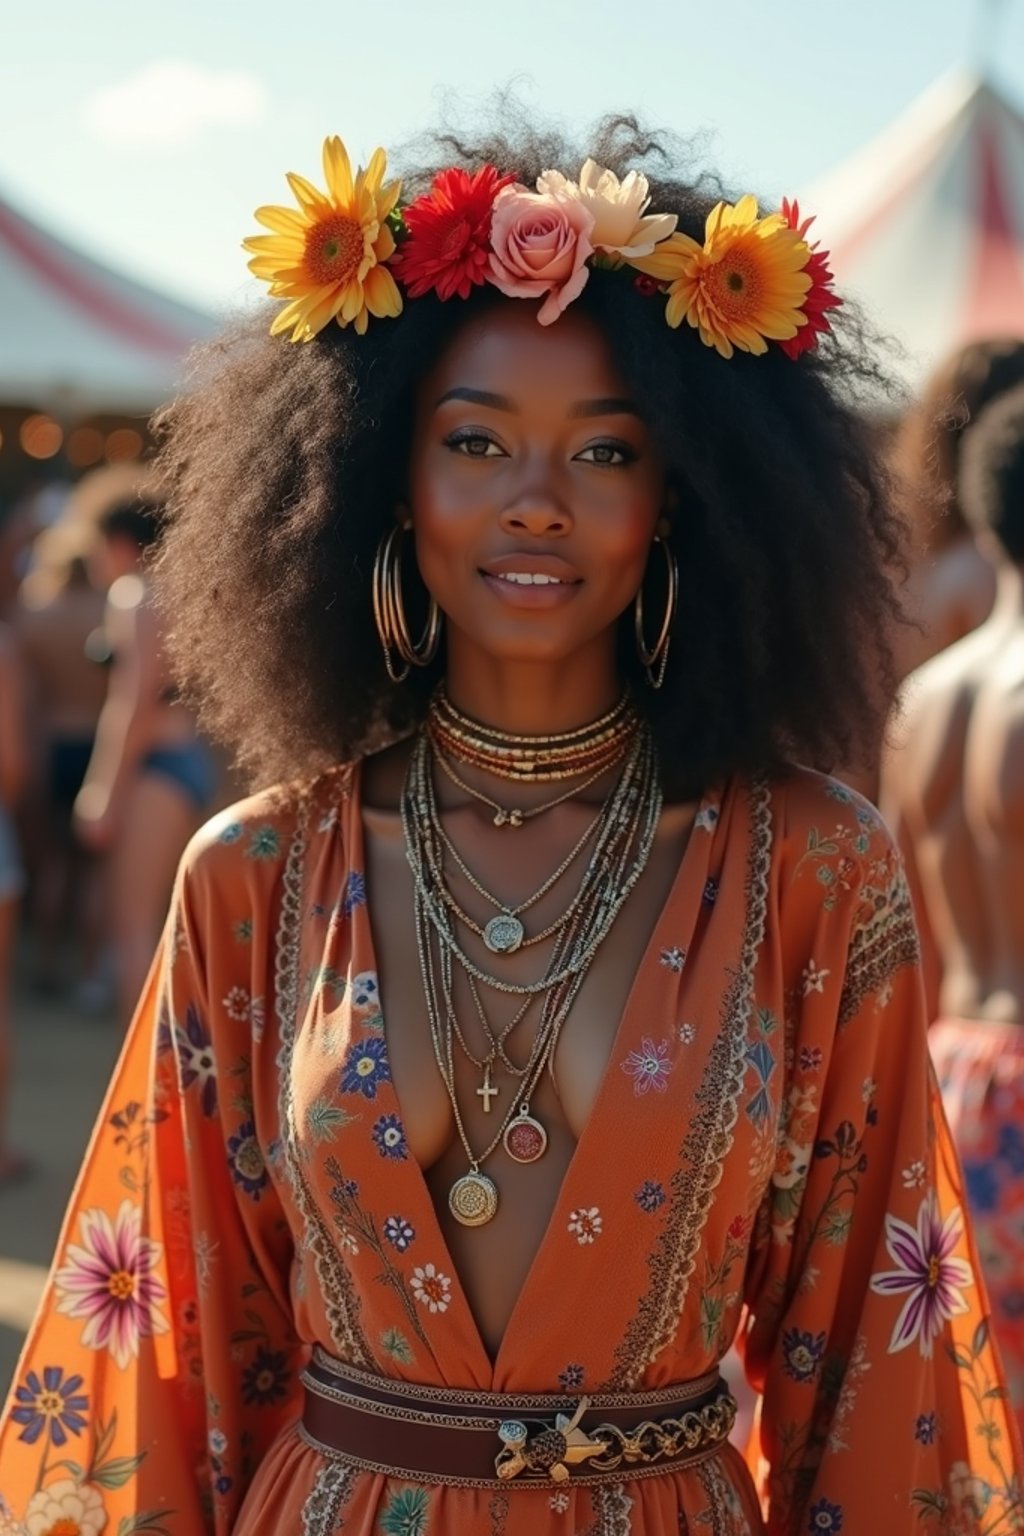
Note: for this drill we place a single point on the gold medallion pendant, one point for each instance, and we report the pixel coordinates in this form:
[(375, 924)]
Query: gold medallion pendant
[(525, 1139), (473, 1199), (503, 933)]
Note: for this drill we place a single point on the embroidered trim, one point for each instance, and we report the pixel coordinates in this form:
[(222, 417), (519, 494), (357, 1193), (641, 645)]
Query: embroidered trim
[(717, 1492), (341, 1304), (547, 1403), (612, 1508), (710, 1135), (881, 945), (328, 1497)]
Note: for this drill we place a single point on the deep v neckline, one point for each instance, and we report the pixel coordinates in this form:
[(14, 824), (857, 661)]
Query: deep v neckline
[(677, 918)]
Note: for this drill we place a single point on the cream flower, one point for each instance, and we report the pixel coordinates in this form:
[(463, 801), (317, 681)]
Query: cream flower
[(622, 226), (73, 1509)]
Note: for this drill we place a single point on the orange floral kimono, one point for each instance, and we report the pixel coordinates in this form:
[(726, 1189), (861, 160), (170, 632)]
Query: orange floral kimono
[(766, 1161)]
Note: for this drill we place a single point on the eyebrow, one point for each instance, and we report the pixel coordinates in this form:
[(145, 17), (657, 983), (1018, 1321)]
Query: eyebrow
[(610, 405)]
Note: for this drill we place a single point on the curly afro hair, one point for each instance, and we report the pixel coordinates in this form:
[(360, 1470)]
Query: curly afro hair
[(284, 463)]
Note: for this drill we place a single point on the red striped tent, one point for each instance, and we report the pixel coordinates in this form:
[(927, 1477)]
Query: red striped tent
[(77, 337), (926, 223)]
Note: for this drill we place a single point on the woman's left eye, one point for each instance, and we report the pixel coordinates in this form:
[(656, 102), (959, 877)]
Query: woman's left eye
[(607, 454)]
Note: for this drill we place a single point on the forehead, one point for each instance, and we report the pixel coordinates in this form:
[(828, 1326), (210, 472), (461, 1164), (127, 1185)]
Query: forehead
[(505, 350)]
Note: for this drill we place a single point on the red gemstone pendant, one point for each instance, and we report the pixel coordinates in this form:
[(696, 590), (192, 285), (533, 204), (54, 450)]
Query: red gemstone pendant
[(525, 1139)]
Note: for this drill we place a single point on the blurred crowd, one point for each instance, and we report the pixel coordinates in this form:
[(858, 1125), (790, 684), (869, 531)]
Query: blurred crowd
[(103, 774)]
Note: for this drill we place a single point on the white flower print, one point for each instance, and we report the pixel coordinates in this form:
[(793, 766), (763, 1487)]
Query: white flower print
[(687, 1033), (237, 1004), (586, 1224), (431, 1289), (868, 1089), (814, 979), (674, 958), (218, 1441), (330, 821), (706, 819), (347, 1242), (914, 1174), (559, 1502), (926, 1273), (365, 993)]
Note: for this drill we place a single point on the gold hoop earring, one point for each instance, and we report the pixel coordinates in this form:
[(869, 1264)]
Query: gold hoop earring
[(389, 612), (655, 661)]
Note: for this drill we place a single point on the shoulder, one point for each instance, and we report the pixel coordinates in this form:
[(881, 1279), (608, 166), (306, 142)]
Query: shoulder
[(816, 813), (251, 842)]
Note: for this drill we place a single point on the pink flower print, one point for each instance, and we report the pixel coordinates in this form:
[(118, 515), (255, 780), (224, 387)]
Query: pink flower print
[(585, 1224), (431, 1289), (109, 1279), (649, 1066), (927, 1273)]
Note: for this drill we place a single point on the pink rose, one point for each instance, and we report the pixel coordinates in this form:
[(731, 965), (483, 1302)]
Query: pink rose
[(540, 242)]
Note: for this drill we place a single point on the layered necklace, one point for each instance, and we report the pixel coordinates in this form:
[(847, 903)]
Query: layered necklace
[(619, 839)]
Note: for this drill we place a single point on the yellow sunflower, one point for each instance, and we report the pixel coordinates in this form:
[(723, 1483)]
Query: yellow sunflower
[(744, 287), (327, 258)]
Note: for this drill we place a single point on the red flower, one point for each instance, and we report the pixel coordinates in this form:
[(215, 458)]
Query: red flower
[(820, 297), (449, 234)]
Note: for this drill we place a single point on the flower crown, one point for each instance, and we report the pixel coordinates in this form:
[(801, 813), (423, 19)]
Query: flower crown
[(756, 279)]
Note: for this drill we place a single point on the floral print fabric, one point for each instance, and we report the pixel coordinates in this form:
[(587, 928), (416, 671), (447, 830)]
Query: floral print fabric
[(766, 1161), (980, 1068)]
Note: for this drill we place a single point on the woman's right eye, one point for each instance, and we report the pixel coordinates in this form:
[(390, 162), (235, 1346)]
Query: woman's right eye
[(474, 445)]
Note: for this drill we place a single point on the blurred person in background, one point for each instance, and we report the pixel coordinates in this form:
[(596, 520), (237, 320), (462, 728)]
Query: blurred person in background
[(952, 585), (13, 764), (60, 610), (150, 780), (955, 789)]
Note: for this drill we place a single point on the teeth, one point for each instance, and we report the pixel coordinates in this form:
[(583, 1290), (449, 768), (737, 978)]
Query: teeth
[(530, 578)]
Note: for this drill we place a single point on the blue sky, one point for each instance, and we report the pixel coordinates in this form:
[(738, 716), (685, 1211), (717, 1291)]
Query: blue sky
[(147, 134)]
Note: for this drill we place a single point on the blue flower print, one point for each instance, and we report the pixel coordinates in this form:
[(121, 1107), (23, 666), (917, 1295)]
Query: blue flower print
[(195, 1052), (649, 1196), (926, 1428), (1011, 1147), (802, 1354), (232, 832), (711, 890), (263, 844), (266, 1379), (365, 1066), (982, 1185), (355, 893), (50, 1404), (389, 1137), (825, 1517), (245, 1160), (571, 1379), (398, 1232)]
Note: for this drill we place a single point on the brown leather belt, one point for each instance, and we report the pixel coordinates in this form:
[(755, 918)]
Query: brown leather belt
[(500, 1439)]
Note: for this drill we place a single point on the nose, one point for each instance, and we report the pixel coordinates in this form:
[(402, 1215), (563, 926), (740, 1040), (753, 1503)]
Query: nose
[(537, 514)]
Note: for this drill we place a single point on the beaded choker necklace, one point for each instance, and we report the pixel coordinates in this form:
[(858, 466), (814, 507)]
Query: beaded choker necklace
[(588, 749)]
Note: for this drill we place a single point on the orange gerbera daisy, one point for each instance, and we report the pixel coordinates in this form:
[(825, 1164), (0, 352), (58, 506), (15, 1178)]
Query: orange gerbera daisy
[(744, 287), (327, 258)]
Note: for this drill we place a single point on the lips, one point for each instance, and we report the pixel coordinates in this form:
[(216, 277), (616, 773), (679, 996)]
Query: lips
[(531, 571)]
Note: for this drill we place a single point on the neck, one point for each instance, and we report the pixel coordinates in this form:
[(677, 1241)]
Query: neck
[(533, 698)]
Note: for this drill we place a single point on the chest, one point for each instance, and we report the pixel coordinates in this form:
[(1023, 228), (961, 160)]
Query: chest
[(565, 1095)]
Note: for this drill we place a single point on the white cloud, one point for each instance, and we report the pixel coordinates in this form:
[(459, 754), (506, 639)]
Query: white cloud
[(171, 103)]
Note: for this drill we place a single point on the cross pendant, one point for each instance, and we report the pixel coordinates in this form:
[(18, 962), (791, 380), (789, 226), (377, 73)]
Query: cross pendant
[(487, 1093)]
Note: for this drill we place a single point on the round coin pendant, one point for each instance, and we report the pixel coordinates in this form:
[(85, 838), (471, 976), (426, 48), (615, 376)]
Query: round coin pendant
[(503, 934), (473, 1199), (525, 1139)]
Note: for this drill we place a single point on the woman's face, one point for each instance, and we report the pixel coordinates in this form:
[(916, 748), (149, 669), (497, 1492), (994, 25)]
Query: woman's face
[(535, 487)]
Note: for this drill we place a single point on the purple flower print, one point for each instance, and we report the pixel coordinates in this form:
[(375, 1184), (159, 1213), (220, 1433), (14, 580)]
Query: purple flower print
[(926, 1273), (649, 1066)]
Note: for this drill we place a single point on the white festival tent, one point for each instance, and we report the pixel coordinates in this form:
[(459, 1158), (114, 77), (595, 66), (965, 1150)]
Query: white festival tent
[(926, 222), (78, 338)]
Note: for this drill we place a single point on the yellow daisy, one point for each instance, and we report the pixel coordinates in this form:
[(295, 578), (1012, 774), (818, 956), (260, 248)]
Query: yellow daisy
[(744, 287), (327, 258)]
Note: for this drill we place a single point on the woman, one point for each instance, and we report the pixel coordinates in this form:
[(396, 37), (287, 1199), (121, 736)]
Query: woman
[(489, 1085), (150, 779)]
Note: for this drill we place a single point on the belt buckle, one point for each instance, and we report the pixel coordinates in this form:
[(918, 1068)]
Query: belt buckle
[(551, 1453)]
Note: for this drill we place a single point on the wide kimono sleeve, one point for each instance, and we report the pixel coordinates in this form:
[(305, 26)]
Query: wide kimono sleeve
[(883, 1408), (163, 1358)]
